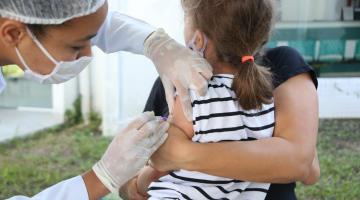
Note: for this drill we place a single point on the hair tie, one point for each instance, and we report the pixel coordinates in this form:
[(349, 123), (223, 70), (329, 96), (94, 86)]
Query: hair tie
[(245, 59)]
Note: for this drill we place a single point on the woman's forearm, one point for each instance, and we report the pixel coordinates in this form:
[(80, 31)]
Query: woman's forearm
[(276, 163)]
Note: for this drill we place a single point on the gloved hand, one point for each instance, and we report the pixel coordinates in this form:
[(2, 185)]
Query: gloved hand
[(130, 151), (179, 68)]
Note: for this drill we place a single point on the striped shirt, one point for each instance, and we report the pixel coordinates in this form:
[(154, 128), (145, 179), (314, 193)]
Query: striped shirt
[(217, 117)]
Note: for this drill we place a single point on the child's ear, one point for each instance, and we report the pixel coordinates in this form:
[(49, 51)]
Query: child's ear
[(200, 39)]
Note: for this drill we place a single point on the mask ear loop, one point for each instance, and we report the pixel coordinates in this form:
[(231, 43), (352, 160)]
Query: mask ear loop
[(206, 40), (192, 43), (41, 47), (22, 59), (204, 46)]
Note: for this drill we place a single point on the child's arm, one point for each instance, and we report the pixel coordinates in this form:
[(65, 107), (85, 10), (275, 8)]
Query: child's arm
[(149, 174), (314, 172), (146, 176), (179, 120)]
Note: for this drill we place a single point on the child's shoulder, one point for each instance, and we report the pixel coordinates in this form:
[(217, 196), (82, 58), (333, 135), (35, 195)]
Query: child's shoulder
[(219, 86)]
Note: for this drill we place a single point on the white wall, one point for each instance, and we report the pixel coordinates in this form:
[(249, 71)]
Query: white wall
[(64, 95), (106, 82), (136, 74), (311, 10), (339, 97)]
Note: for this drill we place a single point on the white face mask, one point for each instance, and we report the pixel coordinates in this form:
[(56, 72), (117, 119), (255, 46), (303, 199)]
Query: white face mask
[(62, 72)]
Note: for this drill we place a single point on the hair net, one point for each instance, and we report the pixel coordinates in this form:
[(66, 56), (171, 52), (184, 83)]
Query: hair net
[(47, 11)]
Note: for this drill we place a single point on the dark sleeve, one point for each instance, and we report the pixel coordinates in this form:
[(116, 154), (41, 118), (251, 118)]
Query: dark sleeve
[(157, 100), (281, 192), (285, 63)]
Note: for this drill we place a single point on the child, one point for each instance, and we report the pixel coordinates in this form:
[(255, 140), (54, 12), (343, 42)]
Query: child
[(239, 103)]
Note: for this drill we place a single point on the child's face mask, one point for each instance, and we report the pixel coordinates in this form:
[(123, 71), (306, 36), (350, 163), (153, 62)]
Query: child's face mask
[(192, 45)]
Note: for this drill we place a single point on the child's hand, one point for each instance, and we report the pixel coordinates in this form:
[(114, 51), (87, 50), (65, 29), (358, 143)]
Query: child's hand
[(130, 191), (143, 182), (146, 176)]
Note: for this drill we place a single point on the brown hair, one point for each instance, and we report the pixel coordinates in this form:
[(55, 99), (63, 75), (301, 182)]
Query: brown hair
[(37, 30), (238, 28)]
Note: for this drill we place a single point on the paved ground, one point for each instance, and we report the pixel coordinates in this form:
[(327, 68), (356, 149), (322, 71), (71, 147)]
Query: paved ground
[(15, 123)]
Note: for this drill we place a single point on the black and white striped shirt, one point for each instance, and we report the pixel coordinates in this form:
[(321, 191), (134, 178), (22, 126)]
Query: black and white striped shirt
[(217, 117)]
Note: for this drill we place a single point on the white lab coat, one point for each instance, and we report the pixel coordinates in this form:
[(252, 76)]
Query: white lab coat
[(118, 33)]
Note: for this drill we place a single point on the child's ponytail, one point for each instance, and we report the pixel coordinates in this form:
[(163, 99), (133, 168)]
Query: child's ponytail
[(253, 85)]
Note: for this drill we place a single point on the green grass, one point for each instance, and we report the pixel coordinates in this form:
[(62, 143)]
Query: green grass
[(31, 164), (339, 154), (12, 71)]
